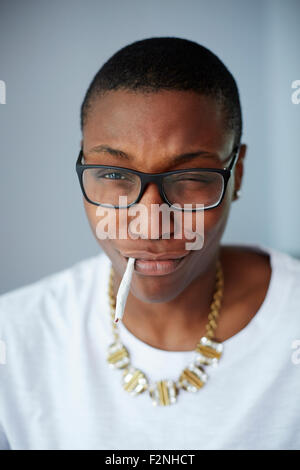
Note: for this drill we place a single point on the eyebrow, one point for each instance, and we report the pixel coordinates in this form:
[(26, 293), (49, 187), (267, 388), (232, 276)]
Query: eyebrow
[(181, 158)]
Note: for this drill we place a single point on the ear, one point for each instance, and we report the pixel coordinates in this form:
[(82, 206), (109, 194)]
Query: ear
[(239, 168)]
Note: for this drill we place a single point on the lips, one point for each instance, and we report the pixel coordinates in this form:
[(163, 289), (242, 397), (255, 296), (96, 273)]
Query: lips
[(146, 255), (156, 264), (156, 268)]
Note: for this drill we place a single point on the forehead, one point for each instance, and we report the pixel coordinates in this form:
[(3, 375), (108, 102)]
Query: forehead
[(170, 120)]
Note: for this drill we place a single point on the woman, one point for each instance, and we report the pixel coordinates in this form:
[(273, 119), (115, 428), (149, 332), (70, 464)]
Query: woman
[(208, 330)]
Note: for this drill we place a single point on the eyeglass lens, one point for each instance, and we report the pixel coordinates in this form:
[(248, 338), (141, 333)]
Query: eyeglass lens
[(106, 185)]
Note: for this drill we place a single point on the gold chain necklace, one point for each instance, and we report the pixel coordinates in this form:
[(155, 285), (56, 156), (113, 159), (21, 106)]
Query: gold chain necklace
[(192, 378)]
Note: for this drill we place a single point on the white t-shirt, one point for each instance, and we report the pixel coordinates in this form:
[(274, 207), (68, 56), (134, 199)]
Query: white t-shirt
[(57, 390)]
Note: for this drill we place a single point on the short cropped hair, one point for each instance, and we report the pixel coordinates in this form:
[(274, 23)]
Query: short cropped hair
[(168, 63)]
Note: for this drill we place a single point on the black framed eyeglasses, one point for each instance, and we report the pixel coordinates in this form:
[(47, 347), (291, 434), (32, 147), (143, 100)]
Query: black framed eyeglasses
[(183, 189)]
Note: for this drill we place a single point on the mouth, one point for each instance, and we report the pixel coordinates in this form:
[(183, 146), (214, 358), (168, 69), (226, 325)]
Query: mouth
[(146, 265)]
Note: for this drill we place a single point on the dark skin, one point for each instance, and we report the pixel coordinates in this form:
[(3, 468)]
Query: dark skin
[(170, 312)]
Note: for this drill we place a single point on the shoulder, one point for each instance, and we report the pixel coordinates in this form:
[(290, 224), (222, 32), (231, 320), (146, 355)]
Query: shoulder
[(257, 261), (261, 269), (264, 283), (51, 295)]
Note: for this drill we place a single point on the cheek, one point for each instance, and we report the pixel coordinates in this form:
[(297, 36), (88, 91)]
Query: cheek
[(208, 223), (104, 225), (215, 219), (90, 211), (97, 218)]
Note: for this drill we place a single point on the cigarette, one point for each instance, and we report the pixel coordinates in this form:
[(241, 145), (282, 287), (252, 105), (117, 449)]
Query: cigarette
[(124, 290)]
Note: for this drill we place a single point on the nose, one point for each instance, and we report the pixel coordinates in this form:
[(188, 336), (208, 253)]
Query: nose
[(152, 217), (151, 194)]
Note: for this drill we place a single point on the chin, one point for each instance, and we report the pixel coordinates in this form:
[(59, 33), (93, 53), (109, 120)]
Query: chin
[(153, 290)]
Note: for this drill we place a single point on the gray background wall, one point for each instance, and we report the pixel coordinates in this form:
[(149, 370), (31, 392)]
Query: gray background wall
[(49, 52)]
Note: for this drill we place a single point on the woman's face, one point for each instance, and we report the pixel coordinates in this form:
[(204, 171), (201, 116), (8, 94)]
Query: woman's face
[(152, 129)]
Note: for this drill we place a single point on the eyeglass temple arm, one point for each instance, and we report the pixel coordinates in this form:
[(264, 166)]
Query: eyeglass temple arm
[(234, 159), (80, 157)]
